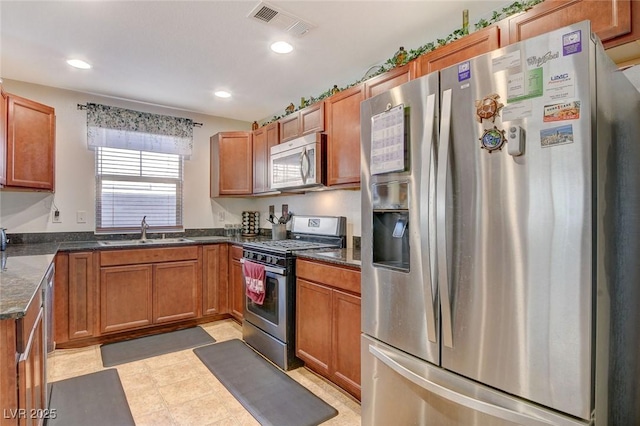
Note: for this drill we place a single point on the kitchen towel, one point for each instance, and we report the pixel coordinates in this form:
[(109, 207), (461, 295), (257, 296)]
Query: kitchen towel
[(254, 276)]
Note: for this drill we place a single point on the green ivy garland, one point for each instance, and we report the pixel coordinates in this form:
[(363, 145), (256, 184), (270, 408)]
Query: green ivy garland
[(512, 9)]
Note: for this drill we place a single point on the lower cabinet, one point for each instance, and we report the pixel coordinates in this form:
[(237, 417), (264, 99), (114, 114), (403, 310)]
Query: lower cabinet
[(125, 297), (143, 287), (22, 367), (215, 273), (236, 283), (328, 322)]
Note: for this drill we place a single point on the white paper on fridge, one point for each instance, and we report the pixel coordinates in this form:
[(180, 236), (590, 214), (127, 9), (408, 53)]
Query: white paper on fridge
[(388, 144)]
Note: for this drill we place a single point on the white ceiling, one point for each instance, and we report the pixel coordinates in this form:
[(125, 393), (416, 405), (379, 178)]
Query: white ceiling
[(177, 53)]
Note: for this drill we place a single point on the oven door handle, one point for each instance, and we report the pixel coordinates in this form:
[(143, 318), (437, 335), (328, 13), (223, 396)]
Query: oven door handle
[(279, 271)]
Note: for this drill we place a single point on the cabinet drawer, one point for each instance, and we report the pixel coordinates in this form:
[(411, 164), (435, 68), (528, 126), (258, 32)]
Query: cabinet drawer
[(236, 252), (147, 255), (335, 276)]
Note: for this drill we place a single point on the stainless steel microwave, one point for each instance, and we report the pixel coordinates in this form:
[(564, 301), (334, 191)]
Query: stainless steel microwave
[(299, 164)]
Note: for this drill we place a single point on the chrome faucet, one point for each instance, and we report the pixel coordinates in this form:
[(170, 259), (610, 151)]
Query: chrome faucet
[(143, 228)]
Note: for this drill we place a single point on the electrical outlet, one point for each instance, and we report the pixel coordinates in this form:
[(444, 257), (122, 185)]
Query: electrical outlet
[(81, 216), (56, 216), (220, 216)]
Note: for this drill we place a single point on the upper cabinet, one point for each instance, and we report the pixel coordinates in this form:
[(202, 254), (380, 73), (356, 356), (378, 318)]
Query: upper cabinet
[(389, 80), (611, 20), (303, 122), (263, 139), (28, 144), (231, 164), (343, 136), (474, 44)]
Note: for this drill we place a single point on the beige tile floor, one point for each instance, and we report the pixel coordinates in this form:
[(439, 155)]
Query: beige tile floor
[(177, 389)]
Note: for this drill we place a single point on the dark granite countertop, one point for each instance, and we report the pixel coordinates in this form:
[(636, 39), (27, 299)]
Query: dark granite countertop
[(24, 265), (22, 269), (343, 257)]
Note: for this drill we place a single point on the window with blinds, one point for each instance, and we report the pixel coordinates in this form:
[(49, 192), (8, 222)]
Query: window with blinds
[(132, 184)]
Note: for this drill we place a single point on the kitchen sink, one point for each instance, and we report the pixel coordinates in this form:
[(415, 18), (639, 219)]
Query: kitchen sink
[(148, 242)]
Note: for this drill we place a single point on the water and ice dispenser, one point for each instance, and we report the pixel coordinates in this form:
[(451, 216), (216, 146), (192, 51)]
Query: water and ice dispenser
[(391, 225)]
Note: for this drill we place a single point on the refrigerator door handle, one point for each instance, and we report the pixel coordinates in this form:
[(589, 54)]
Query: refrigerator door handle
[(441, 222), (428, 152), (453, 396)]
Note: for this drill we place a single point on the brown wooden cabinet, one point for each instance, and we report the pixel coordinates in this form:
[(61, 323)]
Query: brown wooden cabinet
[(390, 79), (76, 296), (343, 136), (236, 283), (176, 291), (231, 164), (263, 139), (303, 122), (28, 153), (474, 44), (328, 322), (125, 297), (611, 20), (143, 287), (22, 366), (215, 272)]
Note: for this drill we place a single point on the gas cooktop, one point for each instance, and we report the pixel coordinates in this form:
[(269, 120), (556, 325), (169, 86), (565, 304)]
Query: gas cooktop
[(285, 246)]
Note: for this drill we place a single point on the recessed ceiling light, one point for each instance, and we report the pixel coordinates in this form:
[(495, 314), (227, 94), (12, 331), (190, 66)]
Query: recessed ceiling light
[(222, 94), (78, 63), (281, 47)]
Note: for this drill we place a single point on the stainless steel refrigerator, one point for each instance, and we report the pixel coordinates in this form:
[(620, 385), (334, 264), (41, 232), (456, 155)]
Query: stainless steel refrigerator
[(500, 235)]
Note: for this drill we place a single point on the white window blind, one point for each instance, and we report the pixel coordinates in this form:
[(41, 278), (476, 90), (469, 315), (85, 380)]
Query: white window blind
[(132, 184)]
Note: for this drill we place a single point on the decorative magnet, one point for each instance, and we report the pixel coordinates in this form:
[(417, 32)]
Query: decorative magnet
[(488, 107), (492, 139)]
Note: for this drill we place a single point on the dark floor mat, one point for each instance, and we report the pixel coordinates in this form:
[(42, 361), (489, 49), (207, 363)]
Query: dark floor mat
[(269, 394), (95, 399), (149, 346)]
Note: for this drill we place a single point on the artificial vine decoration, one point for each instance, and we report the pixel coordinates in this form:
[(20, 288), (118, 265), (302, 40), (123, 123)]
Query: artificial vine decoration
[(512, 9)]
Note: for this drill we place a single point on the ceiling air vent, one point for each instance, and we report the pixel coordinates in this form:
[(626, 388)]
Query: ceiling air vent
[(280, 19)]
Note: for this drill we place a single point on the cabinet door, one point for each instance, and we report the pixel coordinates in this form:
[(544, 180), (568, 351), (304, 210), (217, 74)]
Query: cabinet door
[(346, 331), (263, 139), (31, 370), (289, 127), (236, 283), (610, 19), (215, 268), (388, 80), (343, 137), (81, 295), (474, 44), (313, 325), (231, 164), (312, 119), (30, 144), (176, 291), (125, 297)]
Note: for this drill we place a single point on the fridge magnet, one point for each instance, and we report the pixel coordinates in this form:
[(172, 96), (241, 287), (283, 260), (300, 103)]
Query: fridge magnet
[(492, 139), (464, 71), (560, 86), (561, 111), (488, 107), (553, 136), (572, 43)]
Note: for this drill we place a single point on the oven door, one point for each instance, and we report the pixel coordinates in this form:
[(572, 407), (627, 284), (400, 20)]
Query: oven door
[(271, 316)]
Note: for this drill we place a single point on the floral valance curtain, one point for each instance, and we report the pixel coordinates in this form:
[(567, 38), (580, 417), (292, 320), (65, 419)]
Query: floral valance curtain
[(122, 128)]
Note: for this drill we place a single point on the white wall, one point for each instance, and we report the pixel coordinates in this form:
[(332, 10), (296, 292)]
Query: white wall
[(27, 212)]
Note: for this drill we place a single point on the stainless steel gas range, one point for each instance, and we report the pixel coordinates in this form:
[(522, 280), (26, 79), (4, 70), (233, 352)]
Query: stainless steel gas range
[(270, 327)]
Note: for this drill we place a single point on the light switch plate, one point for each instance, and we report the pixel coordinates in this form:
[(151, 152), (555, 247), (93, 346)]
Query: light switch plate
[(81, 216)]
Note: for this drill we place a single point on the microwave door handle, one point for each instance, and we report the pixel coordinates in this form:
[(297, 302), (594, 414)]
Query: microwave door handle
[(304, 174)]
